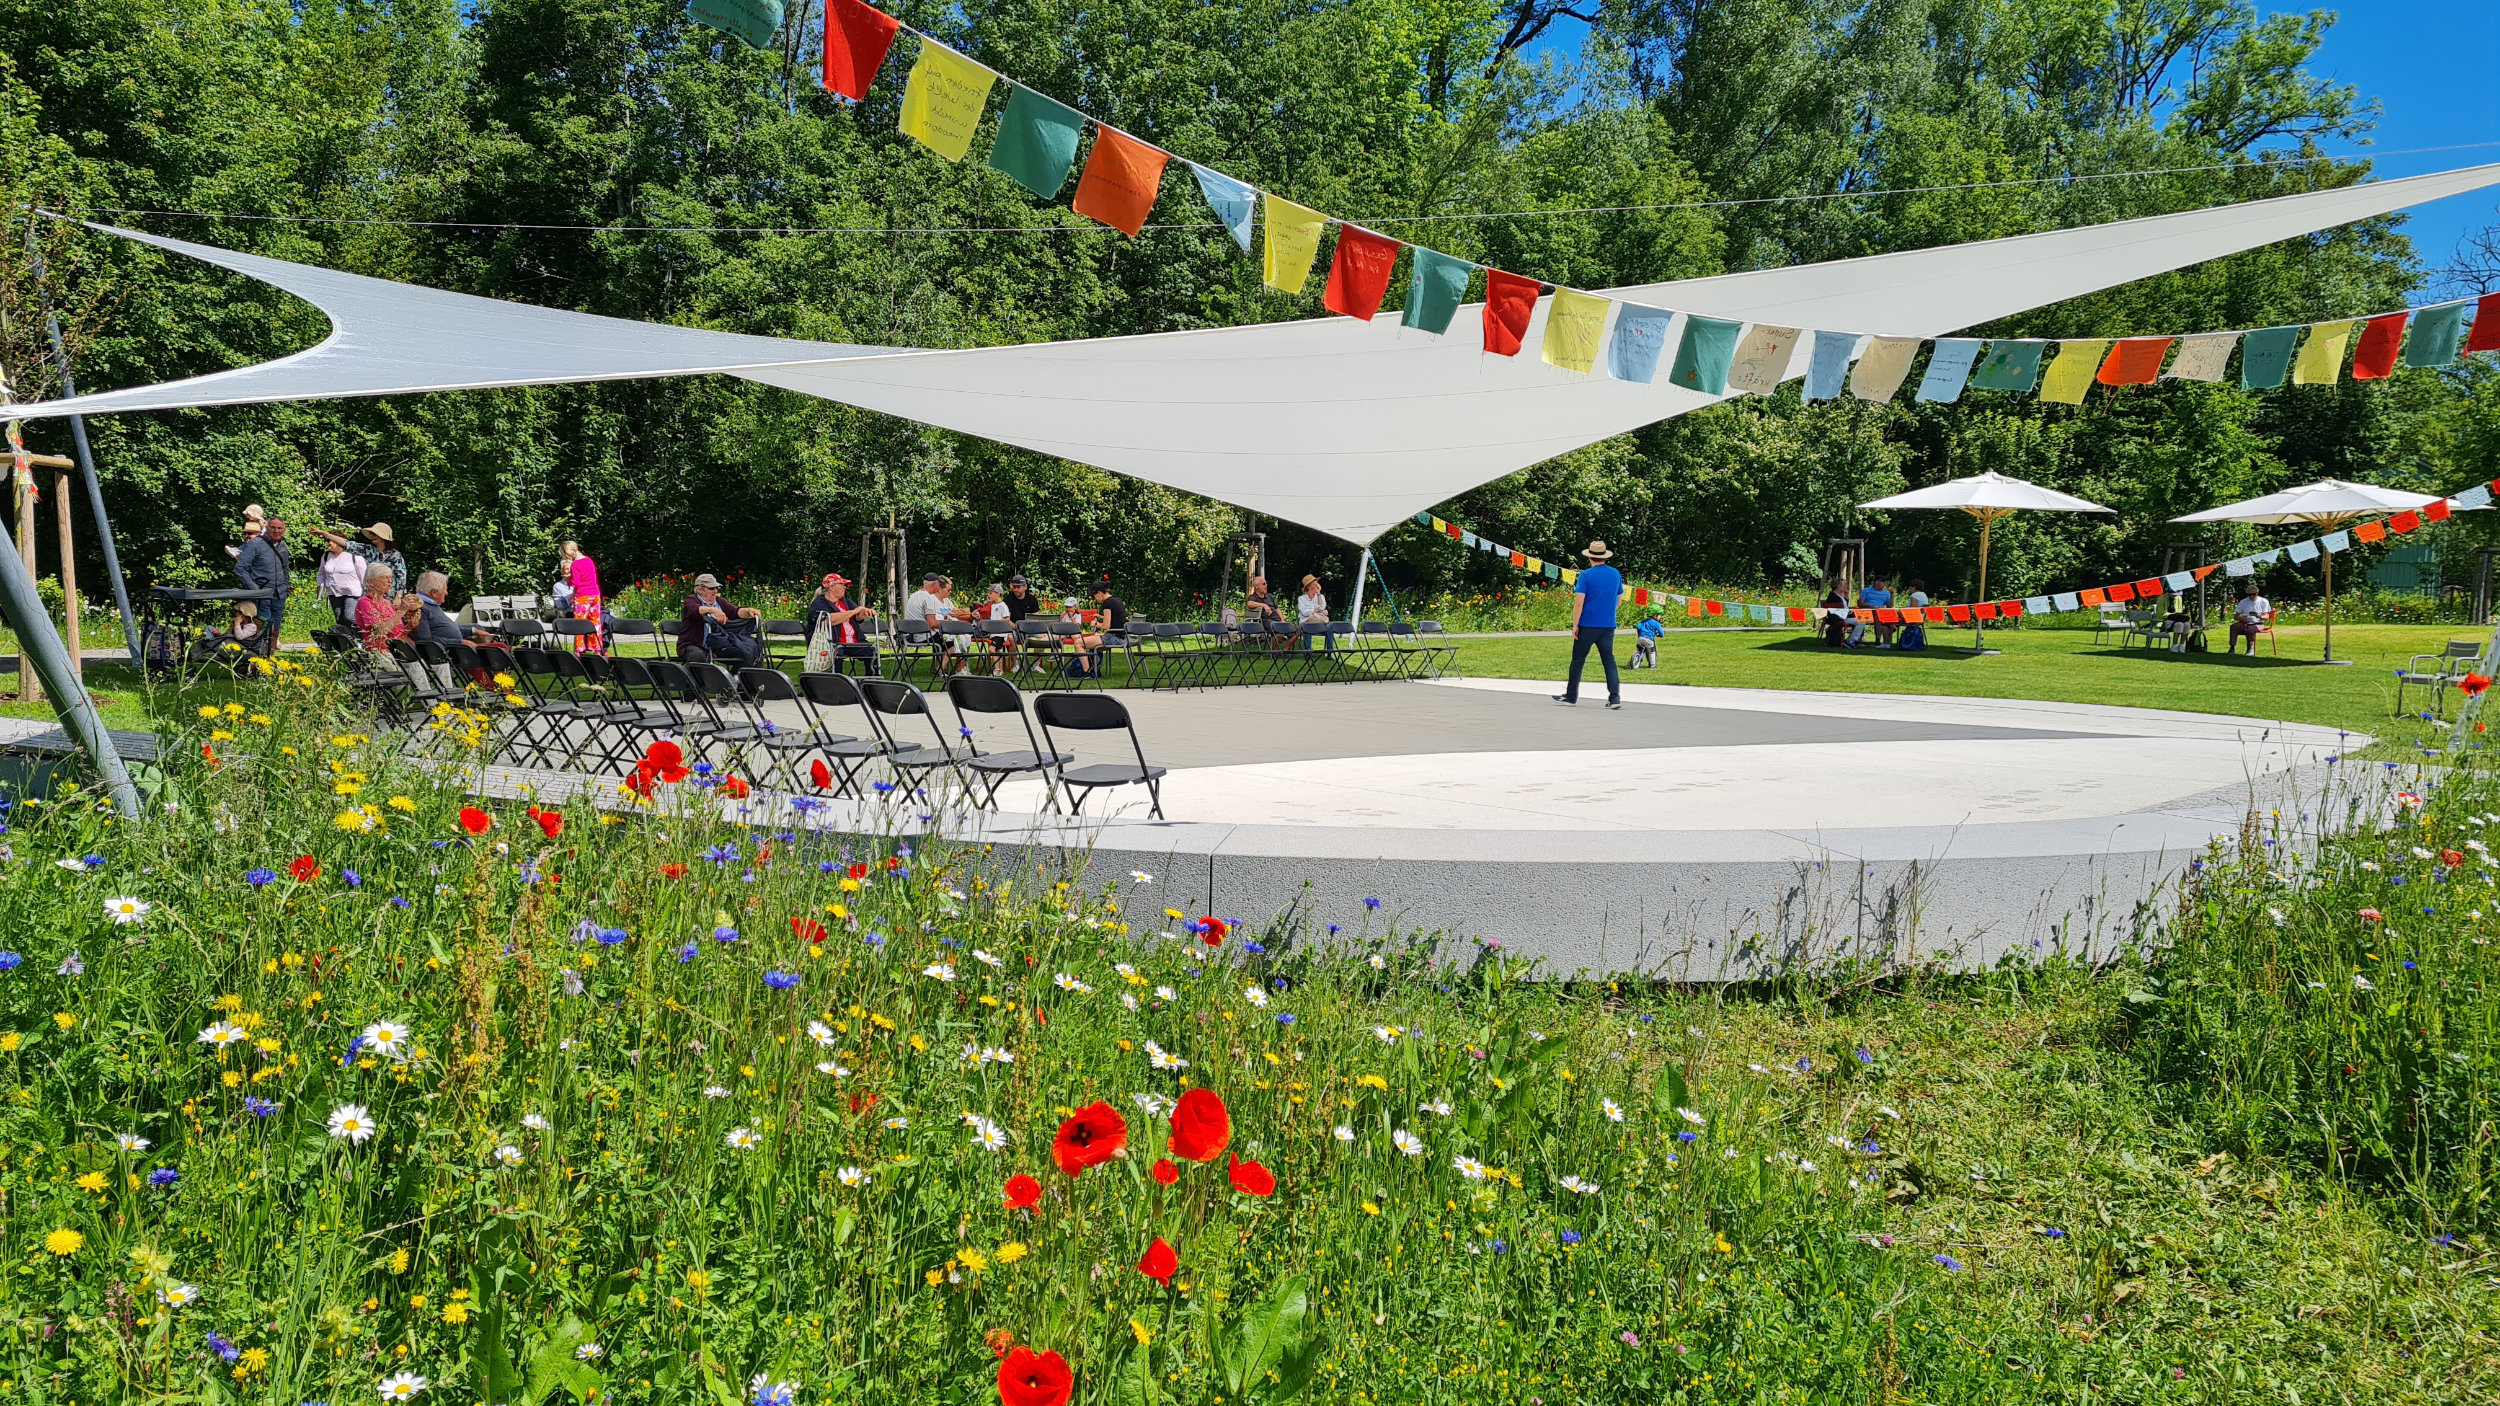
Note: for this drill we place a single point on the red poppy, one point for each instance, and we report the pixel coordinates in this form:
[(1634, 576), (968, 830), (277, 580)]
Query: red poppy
[(1023, 1193), (549, 821), (1251, 1179), (733, 788), (640, 782), (807, 930), (858, 871), (893, 863), (1165, 1172), (475, 821), (2451, 858), (1089, 1139), (821, 774), (1211, 931), (1200, 1126), (672, 871), (1160, 1263), (861, 1103), (2369, 915), (2473, 684), (209, 755), (1029, 1378), (667, 761), (304, 870)]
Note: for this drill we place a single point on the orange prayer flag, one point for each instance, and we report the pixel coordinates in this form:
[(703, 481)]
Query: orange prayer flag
[(2134, 361), (2404, 522), (1122, 177), (2370, 531), (1959, 614), (2122, 592), (1519, 558), (2091, 600), (2010, 609), (1693, 607), (1358, 273), (2204, 571)]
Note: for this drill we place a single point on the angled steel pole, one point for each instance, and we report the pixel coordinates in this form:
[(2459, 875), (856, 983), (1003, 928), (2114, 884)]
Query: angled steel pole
[(40, 649), (86, 456)]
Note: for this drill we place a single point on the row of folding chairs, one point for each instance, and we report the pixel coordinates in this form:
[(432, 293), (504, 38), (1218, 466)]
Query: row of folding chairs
[(587, 711), (1214, 655)]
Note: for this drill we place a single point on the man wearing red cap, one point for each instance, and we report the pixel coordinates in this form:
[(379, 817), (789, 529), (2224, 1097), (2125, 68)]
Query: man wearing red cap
[(840, 622)]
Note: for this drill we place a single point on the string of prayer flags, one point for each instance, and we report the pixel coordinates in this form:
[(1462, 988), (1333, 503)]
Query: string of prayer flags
[(2336, 542), (2321, 359), (1761, 361), (1703, 356), (856, 39), (2266, 357), (1122, 178), (2486, 334), (2010, 366), (1883, 366), (2436, 332), (1435, 285), (2204, 357), (1509, 301), (1640, 339), (943, 98), (1829, 365), (2068, 377), (2381, 338), (2134, 361), (1575, 329), (1036, 143), (1948, 368), (1358, 273), (2303, 551), (754, 22), (1233, 203), (1292, 242)]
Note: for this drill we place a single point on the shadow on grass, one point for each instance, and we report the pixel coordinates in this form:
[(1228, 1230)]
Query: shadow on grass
[(1816, 646)]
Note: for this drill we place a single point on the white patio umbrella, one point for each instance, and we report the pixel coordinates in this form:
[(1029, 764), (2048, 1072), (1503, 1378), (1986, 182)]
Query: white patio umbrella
[(2328, 503), (1988, 497)]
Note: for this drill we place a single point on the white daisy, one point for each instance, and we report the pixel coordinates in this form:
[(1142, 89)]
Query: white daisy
[(73, 864), (1128, 1001), (1066, 982), (1155, 1105), (1127, 972), (1255, 996), (1161, 1058), (127, 910), (714, 1091), (1804, 1166), (1386, 1034), (821, 1033), (897, 1124), (589, 1352), (388, 1037), (942, 971), (131, 1142), (1468, 1167), (1407, 1143), (743, 1139), (1379, 963), (1140, 876), (403, 1387), (178, 1295), (986, 959), (851, 1176), (352, 1122), (988, 1135), (1612, 1110), (2362, 983), (1691, 1117), (533, 1122), (1344, 1133), (995, 1054), (509, 1155), (833, 1069), (1581, 1185), (222, 1034), (1440, 1107), (1166, 993)]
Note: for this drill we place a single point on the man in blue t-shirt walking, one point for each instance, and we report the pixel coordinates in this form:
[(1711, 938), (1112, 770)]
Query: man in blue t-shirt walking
[(1593, 601)]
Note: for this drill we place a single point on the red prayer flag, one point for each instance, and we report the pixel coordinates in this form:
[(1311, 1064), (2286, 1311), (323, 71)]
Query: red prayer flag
[(2381, 339), (1718, 607), (2121, 592), (1959, 614), (2370, 531), (2134, 361), (2437, 510), (1640, 596), (1935, 615), (1122, 177), (1358, 275), (1887, 617), (2148, 589), (1509, 301), (2404, 522), (1987, 610), (856, 38), (2486, 333), (1796, 615), (2010, 609)]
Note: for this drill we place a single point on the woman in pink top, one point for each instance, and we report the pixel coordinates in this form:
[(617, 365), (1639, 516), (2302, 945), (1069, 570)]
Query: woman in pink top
[(583, 574), (379, 619)]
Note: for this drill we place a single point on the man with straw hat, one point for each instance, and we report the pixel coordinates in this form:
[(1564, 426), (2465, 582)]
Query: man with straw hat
[(376, 546), (1593, 600)]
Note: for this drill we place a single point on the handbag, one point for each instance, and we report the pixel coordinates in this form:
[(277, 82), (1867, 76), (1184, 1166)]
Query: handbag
[(821, 645)]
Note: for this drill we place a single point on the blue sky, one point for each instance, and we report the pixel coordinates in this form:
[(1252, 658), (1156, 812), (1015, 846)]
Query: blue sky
[(2433, 65)]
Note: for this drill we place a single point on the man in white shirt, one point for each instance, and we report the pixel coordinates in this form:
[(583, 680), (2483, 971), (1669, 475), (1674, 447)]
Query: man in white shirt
[(2249, 615), (926, 609)]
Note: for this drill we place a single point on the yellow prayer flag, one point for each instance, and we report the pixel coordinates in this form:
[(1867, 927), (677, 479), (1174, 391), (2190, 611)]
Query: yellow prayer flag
[(943, 100), (1570, 578), (2321, 360), (2071, 374), (1292, 242), (1536, 566), (1575, 327)]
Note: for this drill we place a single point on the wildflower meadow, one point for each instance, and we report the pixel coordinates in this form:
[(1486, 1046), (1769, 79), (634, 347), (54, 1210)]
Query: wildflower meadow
[(332, 1082)]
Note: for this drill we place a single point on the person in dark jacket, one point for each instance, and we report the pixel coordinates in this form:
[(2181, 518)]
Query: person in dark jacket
[(263, 566)]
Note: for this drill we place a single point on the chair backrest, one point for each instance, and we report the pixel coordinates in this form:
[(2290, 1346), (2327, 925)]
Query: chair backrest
[(1428, 627), (670, 679), (1066, 629), (538, 662), (959, 627), (767, 685), (597, 669), (796, 628), (485, 610), (629, 673), (2465, 649), (980, 693), (1082, 712), (892, 697), (1033, 629), (831, 690), (521, 629), (571, 626)]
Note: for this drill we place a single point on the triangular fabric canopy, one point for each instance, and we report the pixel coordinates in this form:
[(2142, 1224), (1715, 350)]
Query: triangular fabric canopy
[(1344, 426)]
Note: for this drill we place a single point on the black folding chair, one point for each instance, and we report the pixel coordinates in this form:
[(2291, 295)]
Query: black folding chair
[(652, 716), (778, 633), (622, 632), (784, 746), (1001, 698), (733, 725), (1439, 653), (547, 724), (891, 698), (1096, 712), (570, 632), (674, 688), (819, 695)]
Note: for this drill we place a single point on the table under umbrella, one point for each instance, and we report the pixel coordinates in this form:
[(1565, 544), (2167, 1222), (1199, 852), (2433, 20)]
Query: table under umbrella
[(2326, 504), (1987, 497)]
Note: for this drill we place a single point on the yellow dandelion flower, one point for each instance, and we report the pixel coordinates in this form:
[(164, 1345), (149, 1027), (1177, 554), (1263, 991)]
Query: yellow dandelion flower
[(64, 1242), (208, 710), (258, 719), (64, 1019), (9, 1041), (698, 1279), (92, 1182), (1138, 1331), (1371, 1208), (234, 710), (972, 1260), (1012, 1251), (399, 1261), (456, 1312), (402, 804)]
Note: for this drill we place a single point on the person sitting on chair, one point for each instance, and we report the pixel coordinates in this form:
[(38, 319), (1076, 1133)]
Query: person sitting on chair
[(704, 610), (433, 622), (2248, 619), (1835, 618), (1113, 618)]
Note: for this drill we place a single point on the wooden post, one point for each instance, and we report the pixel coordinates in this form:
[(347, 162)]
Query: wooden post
[(69, 562)]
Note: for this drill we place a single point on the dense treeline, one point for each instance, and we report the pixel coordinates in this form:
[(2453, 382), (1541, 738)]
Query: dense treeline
[(605, 117)]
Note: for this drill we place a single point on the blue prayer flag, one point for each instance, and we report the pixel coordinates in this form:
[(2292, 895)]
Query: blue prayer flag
[(1234, 203), (1640, 338), (1829, 367), (1948, 368)]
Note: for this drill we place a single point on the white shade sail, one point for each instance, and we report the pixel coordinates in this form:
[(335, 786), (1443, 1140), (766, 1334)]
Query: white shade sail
[(2329, 500), (1347, 427), (1990, 492)]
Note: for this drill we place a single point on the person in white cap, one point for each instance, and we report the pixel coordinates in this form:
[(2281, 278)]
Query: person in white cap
[(1593, 600)]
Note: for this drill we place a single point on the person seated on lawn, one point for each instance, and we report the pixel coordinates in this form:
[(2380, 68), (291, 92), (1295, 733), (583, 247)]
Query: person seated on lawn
[(1875, 595), (2250, 617), (1645, 637), (1835, 618), (703, 611)]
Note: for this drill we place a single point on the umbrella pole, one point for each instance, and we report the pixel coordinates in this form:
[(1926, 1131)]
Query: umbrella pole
[(1978, 639), (2329, 559)]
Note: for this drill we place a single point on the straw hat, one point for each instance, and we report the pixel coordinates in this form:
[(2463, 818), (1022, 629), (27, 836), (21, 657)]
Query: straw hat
[(1597, 552), (381, 531)]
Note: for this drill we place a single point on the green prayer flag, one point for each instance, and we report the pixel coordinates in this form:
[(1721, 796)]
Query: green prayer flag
[(2009, 366), (1037, 141), (2266, 357), (2436, 332), (755, 21), (1703, 357), (1435, 285), (1552, 572)]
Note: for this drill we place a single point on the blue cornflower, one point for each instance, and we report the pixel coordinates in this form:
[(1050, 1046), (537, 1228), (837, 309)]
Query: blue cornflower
[(965, 732), (1333, 929), (1371, 903), (784, 836), (903, 850), (609, 937), (1254, 949), (217, 1344), (721, 854), (1864, 1057), (92, 861), (258, 1107), (1280, 983), (780, 980), (1686, 1136), (260, 878), (351, 878), (1947, 1261), (724, 934), (438, 844), (874, 938), (826, 866), (1805, 1066), (164, 1176), (2408, 966), (9, 961), (747, 878), (1284, 1017), (1569, 1237), (882, 788), (585, 930), (702, 768), (398, 902), (686, 953), (1871, 1148), (2444, 1239), (2053, 1232)]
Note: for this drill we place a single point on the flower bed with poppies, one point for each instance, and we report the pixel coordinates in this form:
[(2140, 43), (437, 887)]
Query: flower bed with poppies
[(330, 1082)]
